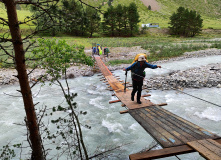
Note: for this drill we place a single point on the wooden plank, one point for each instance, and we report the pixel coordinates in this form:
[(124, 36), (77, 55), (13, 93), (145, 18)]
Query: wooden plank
[(182, 129), (170, 126), (161, 104), (148, 118), (206, 149), (162, 153), (114, 101), (190, 125), (150, 128), (146, 95), (103, 68), (212, 145), (213, 142), (123, 112), (184, 124), (176, 138), (125, 98)]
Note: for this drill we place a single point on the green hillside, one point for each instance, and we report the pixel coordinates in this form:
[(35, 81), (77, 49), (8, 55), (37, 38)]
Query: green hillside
[(210, 10)]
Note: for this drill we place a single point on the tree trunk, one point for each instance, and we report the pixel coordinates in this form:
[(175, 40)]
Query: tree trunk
[(37, 150)]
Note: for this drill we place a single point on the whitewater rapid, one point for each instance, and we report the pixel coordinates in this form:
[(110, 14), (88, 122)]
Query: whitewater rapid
[(108, 126)]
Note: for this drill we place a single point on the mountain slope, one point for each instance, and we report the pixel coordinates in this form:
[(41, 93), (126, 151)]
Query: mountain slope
[(161, 10)]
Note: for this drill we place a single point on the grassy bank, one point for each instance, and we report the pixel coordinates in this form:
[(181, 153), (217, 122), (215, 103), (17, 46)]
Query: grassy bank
[(163, 49), (159, 48)]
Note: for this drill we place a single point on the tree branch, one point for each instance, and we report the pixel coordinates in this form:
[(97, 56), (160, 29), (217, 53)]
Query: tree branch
[(6, 52)]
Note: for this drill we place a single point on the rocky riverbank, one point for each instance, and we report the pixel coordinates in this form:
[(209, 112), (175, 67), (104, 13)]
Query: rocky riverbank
[(205, 76)]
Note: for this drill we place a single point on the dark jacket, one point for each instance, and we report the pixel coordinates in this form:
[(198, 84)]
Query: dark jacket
[(137, 71)]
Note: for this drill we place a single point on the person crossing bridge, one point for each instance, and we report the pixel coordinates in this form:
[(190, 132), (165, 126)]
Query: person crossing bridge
[(138, 74)]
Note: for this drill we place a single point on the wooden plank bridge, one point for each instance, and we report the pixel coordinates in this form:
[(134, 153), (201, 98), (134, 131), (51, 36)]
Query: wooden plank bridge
[(175, 134)]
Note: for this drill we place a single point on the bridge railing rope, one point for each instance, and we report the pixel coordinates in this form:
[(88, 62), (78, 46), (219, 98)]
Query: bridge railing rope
[(187, 93)]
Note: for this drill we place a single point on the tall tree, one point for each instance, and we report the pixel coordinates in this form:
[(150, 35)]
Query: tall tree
[(133, 18), (185, 23), (20, 65), (94, 19), (109, 24), (119, 18), (124, 19), (73, 17)]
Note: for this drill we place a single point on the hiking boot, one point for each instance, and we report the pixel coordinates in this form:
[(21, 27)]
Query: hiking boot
[(139, 102), (132, 98)]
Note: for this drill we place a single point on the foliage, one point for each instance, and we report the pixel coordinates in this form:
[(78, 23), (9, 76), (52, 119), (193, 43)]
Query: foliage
[(185, 23), (73, 17), (70, 17), (121, 20), (109, 24), (133, 18), (165, 52), (7, 153), (46, 21), (56, 56), (216, 45), (93, 20)]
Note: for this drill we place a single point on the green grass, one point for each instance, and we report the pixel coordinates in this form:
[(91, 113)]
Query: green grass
[(163, 49), (122, 61)]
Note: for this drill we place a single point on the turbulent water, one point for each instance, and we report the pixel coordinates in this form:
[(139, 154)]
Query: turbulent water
[(108, 127)]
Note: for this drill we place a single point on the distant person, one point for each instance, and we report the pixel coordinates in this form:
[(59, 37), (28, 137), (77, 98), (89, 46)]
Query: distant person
[(106, 51), (99, 50), (138, 74), (94, 50)]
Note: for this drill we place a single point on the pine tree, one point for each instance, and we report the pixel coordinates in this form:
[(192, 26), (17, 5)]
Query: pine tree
[(93, 23), (119, 19), (109, 24), (185, 23), (133, 18)]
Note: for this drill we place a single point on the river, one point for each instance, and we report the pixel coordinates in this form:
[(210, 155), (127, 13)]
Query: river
[(108, 127)]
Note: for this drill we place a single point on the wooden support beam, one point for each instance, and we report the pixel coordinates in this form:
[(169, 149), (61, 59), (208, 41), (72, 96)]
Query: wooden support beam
[(146, 95), (161, 104), (161, 153), (126, 82), (114, 101), (123, 112)]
